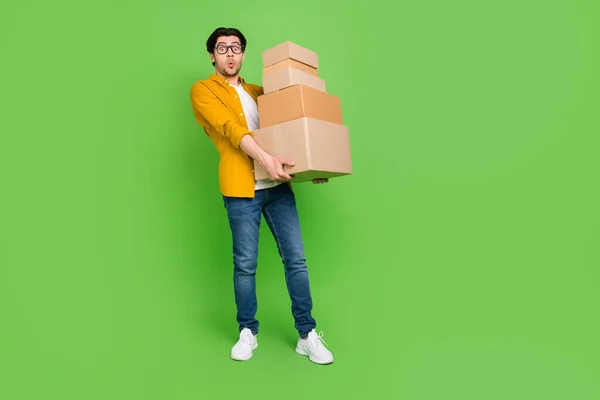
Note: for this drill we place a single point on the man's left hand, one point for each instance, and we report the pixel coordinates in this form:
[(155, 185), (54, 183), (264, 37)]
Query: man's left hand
[(320, 180)]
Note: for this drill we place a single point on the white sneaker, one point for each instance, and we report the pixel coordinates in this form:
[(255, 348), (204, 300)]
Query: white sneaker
[(314, 349), (242, 350)]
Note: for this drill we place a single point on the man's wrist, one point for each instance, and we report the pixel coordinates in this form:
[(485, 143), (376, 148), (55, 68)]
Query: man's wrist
[(262, 156), (250, 147)]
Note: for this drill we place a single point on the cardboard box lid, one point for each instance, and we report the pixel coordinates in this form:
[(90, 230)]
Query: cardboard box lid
[(289, 63), (286, 77), (296, 102), (291, 50)]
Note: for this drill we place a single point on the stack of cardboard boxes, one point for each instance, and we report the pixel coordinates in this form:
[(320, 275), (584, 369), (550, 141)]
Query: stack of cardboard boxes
[(299, 120)]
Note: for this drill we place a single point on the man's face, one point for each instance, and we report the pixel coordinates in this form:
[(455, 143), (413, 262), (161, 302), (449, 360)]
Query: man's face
[(228, 60)]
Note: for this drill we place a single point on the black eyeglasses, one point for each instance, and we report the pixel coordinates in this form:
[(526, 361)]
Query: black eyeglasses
[(222, 48)]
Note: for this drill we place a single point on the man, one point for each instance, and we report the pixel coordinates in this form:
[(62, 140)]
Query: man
[(225, 106)]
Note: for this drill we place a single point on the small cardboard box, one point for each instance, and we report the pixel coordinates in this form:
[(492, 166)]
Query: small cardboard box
[(291, 50), (286, 77), (296, 102), (289, 63), (320, 149)]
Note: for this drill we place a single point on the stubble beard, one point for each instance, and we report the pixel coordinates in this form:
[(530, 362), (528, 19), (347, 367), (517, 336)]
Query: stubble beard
[(227, 72)]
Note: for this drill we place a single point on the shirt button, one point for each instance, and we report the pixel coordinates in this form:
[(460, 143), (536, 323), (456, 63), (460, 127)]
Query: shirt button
[(236, 96), (242, 114)]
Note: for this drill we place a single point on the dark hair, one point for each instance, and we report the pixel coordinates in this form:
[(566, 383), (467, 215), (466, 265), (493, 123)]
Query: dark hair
[(212, 39)]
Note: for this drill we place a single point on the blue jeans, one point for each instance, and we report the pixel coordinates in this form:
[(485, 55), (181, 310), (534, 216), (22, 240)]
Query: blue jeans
[(278, 206)]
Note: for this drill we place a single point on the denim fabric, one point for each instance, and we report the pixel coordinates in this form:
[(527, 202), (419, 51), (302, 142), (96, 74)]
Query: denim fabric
[(278, 205)]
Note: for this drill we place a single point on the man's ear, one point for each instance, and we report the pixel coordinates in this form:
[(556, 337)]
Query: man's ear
[(243, 56), (212, 57)]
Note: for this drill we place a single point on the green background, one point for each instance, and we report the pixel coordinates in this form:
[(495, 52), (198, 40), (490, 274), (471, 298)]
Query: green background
[(459, 261)]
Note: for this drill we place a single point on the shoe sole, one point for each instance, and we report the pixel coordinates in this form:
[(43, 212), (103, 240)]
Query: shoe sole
[(304, 353)]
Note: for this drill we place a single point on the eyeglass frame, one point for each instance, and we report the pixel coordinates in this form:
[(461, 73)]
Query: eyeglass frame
[(229, 47)]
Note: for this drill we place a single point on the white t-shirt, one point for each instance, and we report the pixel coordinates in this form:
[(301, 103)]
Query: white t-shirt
[(252, 118)]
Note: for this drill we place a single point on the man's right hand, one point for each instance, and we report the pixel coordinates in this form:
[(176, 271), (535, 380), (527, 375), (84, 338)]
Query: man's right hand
[(275, 165)]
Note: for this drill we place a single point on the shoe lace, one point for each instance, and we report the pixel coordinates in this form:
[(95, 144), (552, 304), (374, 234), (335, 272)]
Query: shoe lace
[(246, 338), (320, 339)]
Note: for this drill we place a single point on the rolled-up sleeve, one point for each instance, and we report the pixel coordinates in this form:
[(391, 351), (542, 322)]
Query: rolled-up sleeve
[(211, 113)]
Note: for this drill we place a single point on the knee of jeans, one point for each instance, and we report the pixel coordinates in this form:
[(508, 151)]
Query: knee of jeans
[(245, 265), (295, 260)]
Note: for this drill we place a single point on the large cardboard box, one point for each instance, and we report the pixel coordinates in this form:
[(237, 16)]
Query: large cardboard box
[(320, 149), (291, 50), (289, 63), (296, 102), (287, 77)]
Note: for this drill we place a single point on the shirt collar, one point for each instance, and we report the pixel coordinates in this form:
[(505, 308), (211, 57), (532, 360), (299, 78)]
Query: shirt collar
[(223, 80)]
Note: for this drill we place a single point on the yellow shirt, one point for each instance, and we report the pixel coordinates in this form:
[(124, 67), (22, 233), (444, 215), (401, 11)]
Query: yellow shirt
[(218, 109)]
